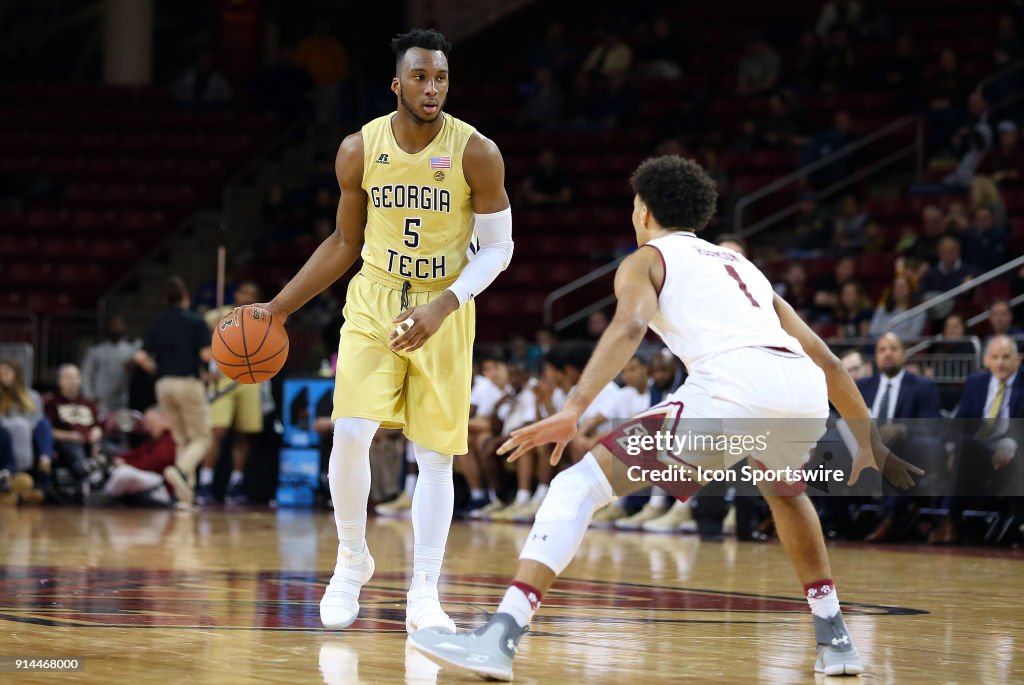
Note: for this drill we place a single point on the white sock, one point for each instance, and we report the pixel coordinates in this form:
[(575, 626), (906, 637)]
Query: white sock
[(348, 473), (659, 498), (541, 493), (822, 597), (522, 497), (516, 604), (477, 494), (432, 506), (410, 484), (206, 476), (236, 478), (492, 494), (563, 518)]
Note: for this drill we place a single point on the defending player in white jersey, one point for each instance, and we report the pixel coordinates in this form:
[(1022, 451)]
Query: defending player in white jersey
[(750, 357)]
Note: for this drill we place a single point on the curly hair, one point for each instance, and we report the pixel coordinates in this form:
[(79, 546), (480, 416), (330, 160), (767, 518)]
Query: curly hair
[(428, 39), (678, 192)]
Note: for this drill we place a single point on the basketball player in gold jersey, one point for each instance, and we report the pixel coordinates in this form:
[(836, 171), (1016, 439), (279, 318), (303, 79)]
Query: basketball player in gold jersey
[(416, 185)]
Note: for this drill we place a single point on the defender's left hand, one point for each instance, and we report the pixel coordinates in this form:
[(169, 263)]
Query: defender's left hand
[(427, 319)]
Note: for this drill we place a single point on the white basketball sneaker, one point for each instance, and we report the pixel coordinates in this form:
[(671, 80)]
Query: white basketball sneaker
[(340, 604), (423, 609)]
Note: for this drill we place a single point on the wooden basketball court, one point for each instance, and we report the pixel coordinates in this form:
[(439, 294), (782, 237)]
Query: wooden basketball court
[(231, 597)]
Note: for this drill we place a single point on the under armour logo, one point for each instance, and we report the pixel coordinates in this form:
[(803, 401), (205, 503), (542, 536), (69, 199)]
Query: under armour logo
[(511, 646), (844, 640), (383, 159)]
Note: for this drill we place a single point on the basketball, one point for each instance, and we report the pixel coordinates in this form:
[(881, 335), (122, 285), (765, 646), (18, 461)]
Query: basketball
[(249, 346)]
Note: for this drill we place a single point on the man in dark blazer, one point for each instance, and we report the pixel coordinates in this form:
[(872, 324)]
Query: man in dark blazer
[(990, 433), (893, 396)]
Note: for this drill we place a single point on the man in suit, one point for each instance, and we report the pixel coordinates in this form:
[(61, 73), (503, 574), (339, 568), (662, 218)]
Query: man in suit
[(988, 463), (894, 395)]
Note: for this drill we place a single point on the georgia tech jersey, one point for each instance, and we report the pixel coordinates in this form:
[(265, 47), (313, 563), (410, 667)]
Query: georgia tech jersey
[(419, 220)]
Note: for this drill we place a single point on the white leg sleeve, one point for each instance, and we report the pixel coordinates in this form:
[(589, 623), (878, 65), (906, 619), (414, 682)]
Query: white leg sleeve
[(348, 473), (432, 506), (128, 480), (563, 518)]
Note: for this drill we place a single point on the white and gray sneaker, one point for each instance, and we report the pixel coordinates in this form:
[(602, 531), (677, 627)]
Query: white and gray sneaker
[(487, 651), (339, 606), (836, 653)]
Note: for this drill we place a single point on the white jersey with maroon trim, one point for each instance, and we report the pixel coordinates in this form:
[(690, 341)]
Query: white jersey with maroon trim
[(714, 300)]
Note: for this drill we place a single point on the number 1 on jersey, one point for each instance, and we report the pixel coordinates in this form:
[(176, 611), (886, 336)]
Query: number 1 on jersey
[(743, 286)]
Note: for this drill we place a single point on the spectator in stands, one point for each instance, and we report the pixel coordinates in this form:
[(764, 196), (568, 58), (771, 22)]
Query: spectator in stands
[(759, 68), (971, 141), (952, 329), (106, 368), (21, 415), (901, 74), (852, 313), (545, 105), (616, 104), (1004, 160), (986, 244), (853, 362), (284, 87), (582, 103), (948, 273), (838, 14), (554, 54), (75, 420), (828, 286), (488, 408), (849, 231), (824, 144), (734, 242), (899, 299), (661, 56), (838, 61), (176, 351), (781, 128), (874, 238), (794, 289), (597, 322), (984, 192), (921, 247), (1000, 319), (987, 457), (202, 87), (813, 226), (1008, 47), (325, 58), (805, 70), (612, 55), (546, 183), (894, 395), (136, 477)]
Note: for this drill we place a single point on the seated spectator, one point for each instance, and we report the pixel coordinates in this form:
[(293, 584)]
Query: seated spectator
[(734, 242), (75, 420), (597, 323), (812, 224), (1008, 46), (202, 87), (1004, 160), (842, 14), (920, 247), (852, 313), (849, 230), (1000, 320), (136, 476), (582, 103), (21, 415), (853, 362), (899, 299), (661, 54), (546, 184), (611, 55), (949, 272), (823, 144), (545, 105), (895, 398), (781, 128), (828, 285), (947, 342), (838, 61), (759, 69), (106, 368), (616, 104), (986, 244), (947, 86), (984, 192), (795, 291), (875, 241), (901, 74), (971, 141)]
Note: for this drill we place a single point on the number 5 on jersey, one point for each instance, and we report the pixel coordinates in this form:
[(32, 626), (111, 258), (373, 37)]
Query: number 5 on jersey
[(412, 237)]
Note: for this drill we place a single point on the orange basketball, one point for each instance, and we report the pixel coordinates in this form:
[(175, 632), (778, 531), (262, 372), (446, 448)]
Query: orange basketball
[(249, 346)]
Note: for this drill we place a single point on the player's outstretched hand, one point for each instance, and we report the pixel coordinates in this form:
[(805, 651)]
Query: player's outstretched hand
[(558, 428), (425, 318), (897, 471)]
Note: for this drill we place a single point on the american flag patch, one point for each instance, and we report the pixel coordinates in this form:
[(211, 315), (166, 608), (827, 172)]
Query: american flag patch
[(440, 162)]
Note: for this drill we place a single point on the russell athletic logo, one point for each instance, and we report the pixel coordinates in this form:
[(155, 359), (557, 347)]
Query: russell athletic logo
[(383, 159)]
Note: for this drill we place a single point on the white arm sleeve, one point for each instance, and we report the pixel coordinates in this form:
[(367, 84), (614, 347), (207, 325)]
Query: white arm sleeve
[(495, 234)]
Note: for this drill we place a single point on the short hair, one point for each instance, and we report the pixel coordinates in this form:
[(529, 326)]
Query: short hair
[(1001, 338), (569, 354), (174, 290), (428, 39), (678, 192), (1004, 303), (732, 238)]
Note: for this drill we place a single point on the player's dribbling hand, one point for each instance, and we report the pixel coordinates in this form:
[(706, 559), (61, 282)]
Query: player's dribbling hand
[(558, 428), (271, 309), (427, 318)]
